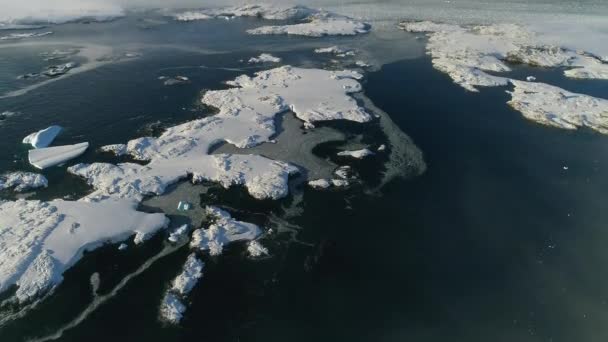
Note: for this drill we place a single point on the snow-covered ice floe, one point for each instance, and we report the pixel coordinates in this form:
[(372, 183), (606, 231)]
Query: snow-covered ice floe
[(466, 53), (172, 307), (357, 154), (557, 107), (43, 158), (265, 58), (22, 181), (222, 231), (246, 118), (310, 22), (43, 138), (17, 36), (40, 240)]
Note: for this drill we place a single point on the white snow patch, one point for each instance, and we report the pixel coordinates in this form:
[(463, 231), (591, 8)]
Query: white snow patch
[(43, 138), (50, 156), (40, 240), (23, 181), (265, 58), (222, 231), (178, 234)]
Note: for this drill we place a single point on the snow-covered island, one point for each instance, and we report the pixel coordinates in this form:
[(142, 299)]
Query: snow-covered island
[(246, 118), (309, 22), (172, 307), (40, 240), (467, 54)]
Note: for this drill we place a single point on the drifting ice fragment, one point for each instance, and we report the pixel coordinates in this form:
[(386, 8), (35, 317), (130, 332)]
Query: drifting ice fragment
[(122, 247), (530, 78), (184, 206), (51, 156), (178, 233), (43, 138)]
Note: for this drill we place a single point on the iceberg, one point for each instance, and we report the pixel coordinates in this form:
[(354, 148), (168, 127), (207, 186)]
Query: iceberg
[(263, 11), (40, 240), (23, 181), (50, 156), (43, 138)]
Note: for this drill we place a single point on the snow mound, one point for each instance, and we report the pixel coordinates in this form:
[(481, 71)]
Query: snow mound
[(40, 240), (265, 58), (50, 156), (43, 138), (23, 181), (357, 154), (222, 231), (557, 107)]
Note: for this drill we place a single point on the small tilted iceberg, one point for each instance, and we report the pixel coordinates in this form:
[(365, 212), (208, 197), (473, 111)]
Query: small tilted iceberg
[(46, 157), (43, 138)]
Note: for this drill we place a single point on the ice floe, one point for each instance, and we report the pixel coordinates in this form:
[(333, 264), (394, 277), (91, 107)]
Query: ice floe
[(222, 231), (265, 58), (246, 118), (357, 154), (40, 240), (468, 53), (43, 158), (319, 183), (557, 107), (178, 234), (43, 138), (336, 50), (22, 181), (17, 36)]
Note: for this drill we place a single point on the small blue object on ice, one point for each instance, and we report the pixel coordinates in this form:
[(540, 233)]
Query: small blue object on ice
[(184, 206)]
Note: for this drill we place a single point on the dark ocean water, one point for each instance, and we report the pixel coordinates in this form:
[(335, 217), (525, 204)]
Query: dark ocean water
[(495, 242)]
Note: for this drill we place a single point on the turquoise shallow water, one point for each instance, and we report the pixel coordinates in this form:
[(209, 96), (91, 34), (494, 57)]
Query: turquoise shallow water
[(496, 241)]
